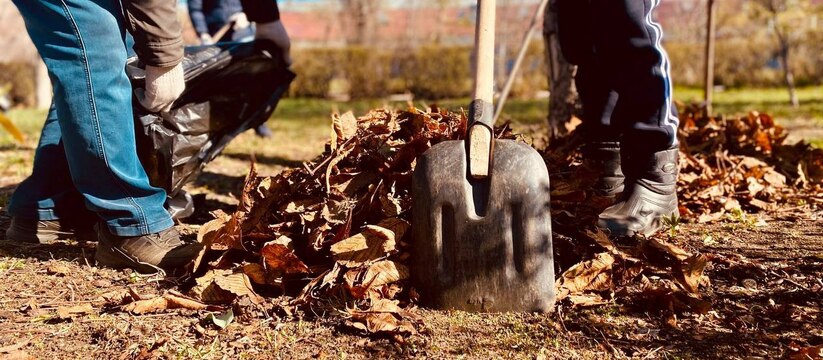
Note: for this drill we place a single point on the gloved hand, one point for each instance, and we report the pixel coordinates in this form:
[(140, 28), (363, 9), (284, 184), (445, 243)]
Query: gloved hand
[(275, 32), (163, 86), (206, 39), (240, 21)]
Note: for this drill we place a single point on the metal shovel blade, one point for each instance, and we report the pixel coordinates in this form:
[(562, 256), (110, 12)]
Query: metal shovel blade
[(483, 245)]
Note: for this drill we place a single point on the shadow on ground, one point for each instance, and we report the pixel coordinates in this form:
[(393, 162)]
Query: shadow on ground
[(265, 160)]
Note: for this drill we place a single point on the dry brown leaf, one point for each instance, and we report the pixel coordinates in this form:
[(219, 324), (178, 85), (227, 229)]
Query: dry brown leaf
[(255, 272), (372, 244), (166, 302), (319, 284), (57, 268), (669, 249), (807, 353), (397, 225), (280, 258), (381, 322), (68, 312), (385, 306), (384, 273), (591, 275), (587, 300), (9, 351), (343, 127), (238, 284), (692, 271), (207, 236), (391, 205), (223, 286), (335, 212), (230, 236)]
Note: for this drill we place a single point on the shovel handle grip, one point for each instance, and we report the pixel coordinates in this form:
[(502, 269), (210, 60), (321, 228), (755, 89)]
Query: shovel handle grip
[(482, 108)]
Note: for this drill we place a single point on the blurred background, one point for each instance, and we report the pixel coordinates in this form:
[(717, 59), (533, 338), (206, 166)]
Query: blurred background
[(361, 54), (354, 49)]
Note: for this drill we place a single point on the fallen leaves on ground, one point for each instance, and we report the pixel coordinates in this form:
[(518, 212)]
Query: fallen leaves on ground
[(339, 221), (733, 164), (336, 228), (730, 168), (68, 312), (168, 301)]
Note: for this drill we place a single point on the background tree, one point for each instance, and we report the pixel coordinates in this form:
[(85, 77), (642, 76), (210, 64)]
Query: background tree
[(361, 17), (789, 23)]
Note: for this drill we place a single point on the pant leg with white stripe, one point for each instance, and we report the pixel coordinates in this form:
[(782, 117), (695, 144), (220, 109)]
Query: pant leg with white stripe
[(627, 53)]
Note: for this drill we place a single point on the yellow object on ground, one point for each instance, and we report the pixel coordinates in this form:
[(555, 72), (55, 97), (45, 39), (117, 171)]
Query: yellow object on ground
[(13, 130)]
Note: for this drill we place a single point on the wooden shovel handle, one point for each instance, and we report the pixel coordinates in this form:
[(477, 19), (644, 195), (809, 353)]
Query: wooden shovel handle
[(484, 51), (482, 122)]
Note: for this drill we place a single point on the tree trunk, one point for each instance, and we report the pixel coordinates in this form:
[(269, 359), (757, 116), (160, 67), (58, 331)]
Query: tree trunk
[(787, 73), (785, 46), (563, 98), (360, 14)]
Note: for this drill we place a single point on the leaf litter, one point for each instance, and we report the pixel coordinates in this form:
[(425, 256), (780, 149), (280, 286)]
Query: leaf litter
[(332, 235)]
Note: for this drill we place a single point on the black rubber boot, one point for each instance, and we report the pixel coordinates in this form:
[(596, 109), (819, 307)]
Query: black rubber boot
[(603, 160), (650, 194)]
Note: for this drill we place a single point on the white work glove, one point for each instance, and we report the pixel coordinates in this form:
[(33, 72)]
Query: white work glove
[(163, 86), (206, 39), (240, 21), (275, 32)]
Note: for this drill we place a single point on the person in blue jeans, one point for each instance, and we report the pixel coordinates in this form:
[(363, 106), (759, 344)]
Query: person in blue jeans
[(628, 117), (86, 169), (210, 16)]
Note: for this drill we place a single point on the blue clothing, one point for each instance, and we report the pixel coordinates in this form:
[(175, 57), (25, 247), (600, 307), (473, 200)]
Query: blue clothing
[(87, 156), (623, 71), (208, 16)]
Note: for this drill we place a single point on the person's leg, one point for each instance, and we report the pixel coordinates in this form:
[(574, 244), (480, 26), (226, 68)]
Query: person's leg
[(50, 186), (82, 44), (601, 153), (628, 47), (46, 207), (635, 65)]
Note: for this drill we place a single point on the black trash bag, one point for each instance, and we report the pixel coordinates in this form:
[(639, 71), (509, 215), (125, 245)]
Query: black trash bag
[(230, 88)]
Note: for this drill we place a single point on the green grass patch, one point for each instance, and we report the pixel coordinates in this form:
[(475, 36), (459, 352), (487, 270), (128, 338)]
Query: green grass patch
[(774, 101), (299, 118)]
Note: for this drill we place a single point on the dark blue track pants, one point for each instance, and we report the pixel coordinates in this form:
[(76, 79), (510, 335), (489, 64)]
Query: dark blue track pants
[(623, 71)]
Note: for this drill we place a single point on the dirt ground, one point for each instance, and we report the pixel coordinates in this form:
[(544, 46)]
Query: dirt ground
[(766, 291)]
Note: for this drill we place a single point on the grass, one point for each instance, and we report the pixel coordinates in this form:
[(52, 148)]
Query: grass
[(774, 101), (306, 120)]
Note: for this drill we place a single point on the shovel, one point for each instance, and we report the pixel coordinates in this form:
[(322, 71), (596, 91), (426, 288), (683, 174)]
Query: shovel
[(482, 226)]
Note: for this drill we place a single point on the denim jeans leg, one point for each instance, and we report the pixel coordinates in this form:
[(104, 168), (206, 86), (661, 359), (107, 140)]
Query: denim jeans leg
[(50, 195), (83, 45)]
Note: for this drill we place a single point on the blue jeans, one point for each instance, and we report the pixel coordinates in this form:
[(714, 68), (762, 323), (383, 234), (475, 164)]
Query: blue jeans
[(87, 156)]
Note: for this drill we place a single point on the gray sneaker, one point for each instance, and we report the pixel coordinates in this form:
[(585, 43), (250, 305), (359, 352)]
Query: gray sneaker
[(163, 251), (47, 231)]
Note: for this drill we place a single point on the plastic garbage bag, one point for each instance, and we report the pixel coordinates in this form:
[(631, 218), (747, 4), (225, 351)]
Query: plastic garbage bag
[(230, 88)]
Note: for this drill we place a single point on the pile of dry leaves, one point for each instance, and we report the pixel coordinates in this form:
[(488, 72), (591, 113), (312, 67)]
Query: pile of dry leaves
[(333, 234), (743, 163), (335, 227), (729, 167)]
